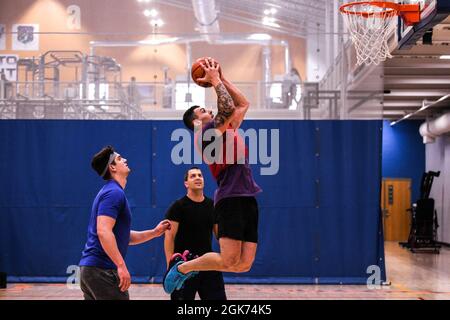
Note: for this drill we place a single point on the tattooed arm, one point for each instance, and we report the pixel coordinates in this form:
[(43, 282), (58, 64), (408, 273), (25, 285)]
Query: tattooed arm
[(240, 101), (225, 104)]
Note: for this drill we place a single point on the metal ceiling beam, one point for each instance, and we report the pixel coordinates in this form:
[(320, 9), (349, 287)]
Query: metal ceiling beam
[(283, 9), (295, 33), (438, 80), (403, 94), (317, 6), (258, 19), (292, 20), (185, 6)]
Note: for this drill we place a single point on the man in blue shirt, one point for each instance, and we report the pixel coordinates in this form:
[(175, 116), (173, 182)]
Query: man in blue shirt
[(104, 274)]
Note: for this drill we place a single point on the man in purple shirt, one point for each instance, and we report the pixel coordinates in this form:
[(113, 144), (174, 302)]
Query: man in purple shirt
[(236, 208)]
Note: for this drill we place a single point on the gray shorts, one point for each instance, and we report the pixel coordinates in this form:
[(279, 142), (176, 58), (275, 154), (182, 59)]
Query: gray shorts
[(101, 284)]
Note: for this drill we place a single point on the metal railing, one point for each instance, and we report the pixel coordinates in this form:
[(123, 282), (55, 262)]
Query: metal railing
[(124, 100), (152, 100)]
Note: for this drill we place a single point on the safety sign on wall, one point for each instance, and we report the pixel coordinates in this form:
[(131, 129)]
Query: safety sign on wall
[(8, 66)]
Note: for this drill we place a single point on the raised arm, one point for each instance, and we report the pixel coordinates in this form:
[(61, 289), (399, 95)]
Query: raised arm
[(225, 104), (240, 101)]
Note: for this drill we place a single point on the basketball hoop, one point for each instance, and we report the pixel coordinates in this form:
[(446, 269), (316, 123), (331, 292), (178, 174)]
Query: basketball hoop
[(370, 24)]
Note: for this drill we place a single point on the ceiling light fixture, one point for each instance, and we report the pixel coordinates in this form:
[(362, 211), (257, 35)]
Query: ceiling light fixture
[(425, 105), (270, 21), (150, 13), (270, 11), (259, 36), (157, 22), (154, 42)]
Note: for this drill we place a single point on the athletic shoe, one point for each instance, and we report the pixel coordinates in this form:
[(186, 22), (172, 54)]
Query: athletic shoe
[(176, 257), (174, 279), (187, 256)]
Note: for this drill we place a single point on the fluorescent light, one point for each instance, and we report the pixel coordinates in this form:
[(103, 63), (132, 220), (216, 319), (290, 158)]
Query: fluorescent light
[(157, 22), (409, 115), (425, 105), (150, 13), (445, 57), (270, 11), (259, 36), (158, 41), (270, 21)]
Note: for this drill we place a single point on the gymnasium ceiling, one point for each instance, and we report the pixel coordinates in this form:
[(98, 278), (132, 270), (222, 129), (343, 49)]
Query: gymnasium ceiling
[(294, 17), (419, 74)]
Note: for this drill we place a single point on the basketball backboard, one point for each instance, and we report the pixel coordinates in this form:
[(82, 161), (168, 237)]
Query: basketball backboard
[(426, 7), (432, 13)]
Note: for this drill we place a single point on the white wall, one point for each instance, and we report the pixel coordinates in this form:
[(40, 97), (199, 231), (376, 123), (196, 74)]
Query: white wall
[(316, 65), (323, 47), (438, 159)]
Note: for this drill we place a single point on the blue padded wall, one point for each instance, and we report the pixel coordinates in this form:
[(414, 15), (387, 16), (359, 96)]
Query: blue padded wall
[(319, 215)]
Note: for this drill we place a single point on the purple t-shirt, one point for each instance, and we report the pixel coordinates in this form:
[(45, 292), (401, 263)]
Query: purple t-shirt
[(233, 179)]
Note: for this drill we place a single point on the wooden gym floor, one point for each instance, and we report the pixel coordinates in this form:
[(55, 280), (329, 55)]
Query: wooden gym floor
[(412, 277)]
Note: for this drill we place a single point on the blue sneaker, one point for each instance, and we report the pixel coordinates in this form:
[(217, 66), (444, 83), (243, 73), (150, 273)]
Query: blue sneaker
[(176, 257), (174, 279)]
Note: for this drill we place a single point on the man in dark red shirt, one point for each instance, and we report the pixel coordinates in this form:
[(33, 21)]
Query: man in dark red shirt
[(235, 205)]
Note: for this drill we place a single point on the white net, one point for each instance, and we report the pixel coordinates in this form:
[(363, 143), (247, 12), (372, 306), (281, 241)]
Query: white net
[(370, 27)]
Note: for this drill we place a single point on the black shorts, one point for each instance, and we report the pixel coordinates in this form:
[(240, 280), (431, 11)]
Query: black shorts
[(237, 218)]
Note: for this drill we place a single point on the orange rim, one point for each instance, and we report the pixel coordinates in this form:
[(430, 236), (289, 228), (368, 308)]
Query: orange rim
[(409, 12), (366, 14)]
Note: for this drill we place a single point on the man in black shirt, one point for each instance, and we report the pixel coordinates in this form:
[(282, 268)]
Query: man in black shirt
[(193, 220)]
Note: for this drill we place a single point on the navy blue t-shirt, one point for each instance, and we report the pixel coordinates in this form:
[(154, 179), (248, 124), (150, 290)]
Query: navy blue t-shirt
[(111, 202)]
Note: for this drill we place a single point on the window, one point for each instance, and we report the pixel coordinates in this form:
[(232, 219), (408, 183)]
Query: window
[(186, 97), (276, 94)]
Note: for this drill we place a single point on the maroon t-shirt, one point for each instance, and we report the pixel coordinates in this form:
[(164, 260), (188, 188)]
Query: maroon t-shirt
[(234, 176)]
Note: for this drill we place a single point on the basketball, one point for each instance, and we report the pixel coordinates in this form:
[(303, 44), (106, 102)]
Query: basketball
[(197, 72)]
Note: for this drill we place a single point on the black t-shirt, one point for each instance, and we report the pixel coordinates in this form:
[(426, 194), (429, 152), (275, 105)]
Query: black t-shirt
[(196, 221)]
